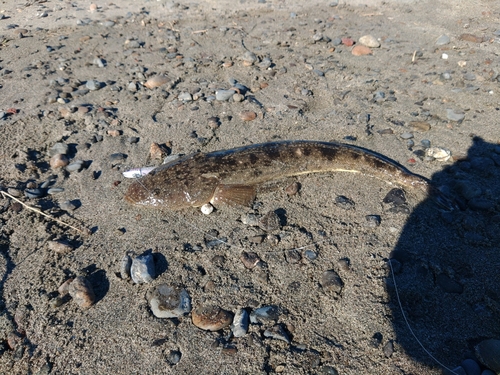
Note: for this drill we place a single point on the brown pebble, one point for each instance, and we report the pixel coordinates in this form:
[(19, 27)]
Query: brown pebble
[(58, 161), (249, 259), (211, 318), (229, 351), (421, 126), (82, 293), (60, 247), (13, 340), (213, 122), (83, 109), (227, 64), (263, 85), (157, 151), (64, 287), (248, 115), (361, 51), (472, 38), (347, 42), (85, 38), (270, 222), (64, 112), (16, 207), (292, 189), (209, 286), (114, 132), (256, 239), (156, 81)]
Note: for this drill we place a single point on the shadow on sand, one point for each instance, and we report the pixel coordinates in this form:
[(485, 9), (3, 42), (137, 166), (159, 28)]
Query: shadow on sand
[(447, 265)]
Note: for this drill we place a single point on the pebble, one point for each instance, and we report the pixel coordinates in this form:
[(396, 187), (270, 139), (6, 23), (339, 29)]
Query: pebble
[(211, 318), (93, 85), (64, 287), (331, 281), (373, 221), (249, 58), (347, 42), (311, 255), (59, 161), (125, 266), (173, 357), (207, 209), (81, 291), (292, 189), (58, 148), (388, 349), (442, 40), (488, 353), (67, 206), (396, 197), (237, 98), (185, 97), (454, 115), (421, 126), (34, 193), (142, 269), (440, 154), (265, 314), (471, 367), (224, 95), (277, 332), (118, 156), (248, 115), (169, 301), (369, 41), (75, 166), (344, 202), (249, 259), (361, 51), (270, 222), (240, 323), (132, 86), (406, 135), (425, 143), (99, 63), (156, 81), (60, 247)]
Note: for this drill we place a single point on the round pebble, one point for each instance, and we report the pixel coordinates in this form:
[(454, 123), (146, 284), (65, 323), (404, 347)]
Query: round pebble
[(207, 209), (421, 126), (59, 161), (471, 367), (442, 40), (347, 42), (406, 135), (249, 259), (330, 280), (60, 247), (58, 148), (454, 115), (224, 95), (248, 115), (369, 41), (93, 85), (81, 291), (361, 51), (75, 166), (488, 353), (373, 221), (142, 269), (169, 301), (211, 318), (156, 81)]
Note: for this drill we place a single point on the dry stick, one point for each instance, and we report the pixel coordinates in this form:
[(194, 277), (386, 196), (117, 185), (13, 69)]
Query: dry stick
[(41, 213)]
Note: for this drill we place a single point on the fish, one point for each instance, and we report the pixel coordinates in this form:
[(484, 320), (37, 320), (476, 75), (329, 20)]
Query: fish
[(232, 176)]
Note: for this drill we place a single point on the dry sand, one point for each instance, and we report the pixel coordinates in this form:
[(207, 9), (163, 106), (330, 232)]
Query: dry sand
[(447, 263)]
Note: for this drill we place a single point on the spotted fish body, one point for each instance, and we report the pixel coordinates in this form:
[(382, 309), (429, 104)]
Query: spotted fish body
[(232, 176)]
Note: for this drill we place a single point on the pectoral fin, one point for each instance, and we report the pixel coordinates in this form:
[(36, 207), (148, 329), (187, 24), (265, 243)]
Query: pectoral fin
[(236, 194)]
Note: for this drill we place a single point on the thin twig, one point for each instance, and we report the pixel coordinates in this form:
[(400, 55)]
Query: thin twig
[(41, 213)]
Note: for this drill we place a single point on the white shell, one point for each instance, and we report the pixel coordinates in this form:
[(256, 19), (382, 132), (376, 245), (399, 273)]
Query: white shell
[(438, 153)]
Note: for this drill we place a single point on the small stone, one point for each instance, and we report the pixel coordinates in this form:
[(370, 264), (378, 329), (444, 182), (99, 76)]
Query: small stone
[(143, 269), (396, 197), (344, 202), (270, 222), (442, 40), (388, 349), (277, 332), (125, 266), (240, 323), (421, 126), (64, 287), (369, 41), (158, 151), (81, 291), (169, 301), (373, 221), (207, 209), (60, 247), (211, 318), (250, 219), (361, 51), (311, 255), (75, 166), (471, 367), (292, 189), (438, 153), (454, 115), (406, 135), (265, 314), (248, 115), (173, 357), (331, 281), (132, 86), (59, 161), (67, 206), (224, 95), (249, 58), (472, 38), (249, 259), (347, 42), (488, 353), (117, 157), (156, 81), (99, 63), (58, 148), (293, 256), (93, 85), (185, 97)]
